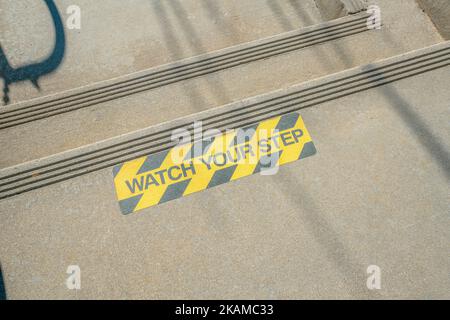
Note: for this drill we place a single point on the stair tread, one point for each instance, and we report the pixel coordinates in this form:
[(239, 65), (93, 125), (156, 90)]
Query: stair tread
[(107, 153)]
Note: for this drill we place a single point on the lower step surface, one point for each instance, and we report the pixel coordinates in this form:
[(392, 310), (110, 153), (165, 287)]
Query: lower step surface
[(380, 177)]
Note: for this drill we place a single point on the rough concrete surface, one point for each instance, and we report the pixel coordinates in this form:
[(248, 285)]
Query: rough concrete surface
[(376, 192), (439, 12), (120, 116), (332, 9), (118, 37)]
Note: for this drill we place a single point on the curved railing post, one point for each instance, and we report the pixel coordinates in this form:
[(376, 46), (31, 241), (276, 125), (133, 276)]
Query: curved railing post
[(34, 71)]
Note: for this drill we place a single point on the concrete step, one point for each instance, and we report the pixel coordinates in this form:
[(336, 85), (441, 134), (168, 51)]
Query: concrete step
[(380, 177), (117, 38), (129, 85), (146, 98), (53, 169), (439, 11)]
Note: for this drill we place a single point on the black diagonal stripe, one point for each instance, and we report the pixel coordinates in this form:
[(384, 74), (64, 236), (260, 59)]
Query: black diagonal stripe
[(175, 191), (222, 176), (153, 161), (309, 149), (127, 205), (244, 135), (287, 121), (267, 162), (116, 169)]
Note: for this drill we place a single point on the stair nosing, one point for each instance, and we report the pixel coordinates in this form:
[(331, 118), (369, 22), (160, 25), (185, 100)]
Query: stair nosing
[(439, 57), (22, 110)]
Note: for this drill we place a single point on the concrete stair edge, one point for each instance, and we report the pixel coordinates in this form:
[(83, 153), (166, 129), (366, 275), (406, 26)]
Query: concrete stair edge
[(40, 100), (33, 165)]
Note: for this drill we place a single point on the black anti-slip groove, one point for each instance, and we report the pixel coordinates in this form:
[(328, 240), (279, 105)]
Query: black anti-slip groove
[(33, 113), (42, 114), (216, 118), (183, 65), (383, 78), (134, 156)]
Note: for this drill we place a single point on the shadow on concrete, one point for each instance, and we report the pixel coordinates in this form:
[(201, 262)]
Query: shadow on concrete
[(222, 25), (339, 51), (2, 286), (171, 41), (322, 229), (215, 85), (401, 106), (423, 134), (195, 44), (32, 72), (325, 235), (281, 16)]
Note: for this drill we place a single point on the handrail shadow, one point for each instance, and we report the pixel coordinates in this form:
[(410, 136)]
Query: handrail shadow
[(32, 72), (2, 286)]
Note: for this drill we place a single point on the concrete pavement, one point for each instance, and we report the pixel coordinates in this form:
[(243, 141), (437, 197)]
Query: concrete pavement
[(376, 193), (139, 110)]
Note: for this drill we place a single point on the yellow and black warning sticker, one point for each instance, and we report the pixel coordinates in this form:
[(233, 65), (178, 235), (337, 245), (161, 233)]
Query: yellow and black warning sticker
[(191, 167)]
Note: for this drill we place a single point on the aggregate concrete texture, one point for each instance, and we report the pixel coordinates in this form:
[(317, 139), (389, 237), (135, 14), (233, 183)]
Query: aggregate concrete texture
[(112, 118), (376, 193)]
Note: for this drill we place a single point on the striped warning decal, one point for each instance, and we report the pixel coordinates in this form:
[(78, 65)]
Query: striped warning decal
[(193, 167)]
